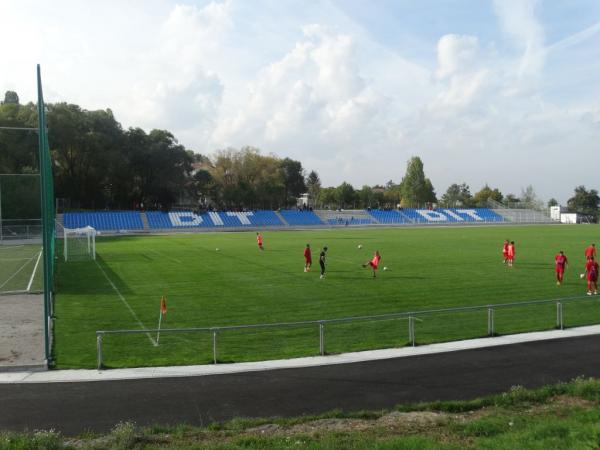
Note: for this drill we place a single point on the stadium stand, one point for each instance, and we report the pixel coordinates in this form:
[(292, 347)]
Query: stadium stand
[(389, 217), (173, 220), (105, 220), (158, 220), (426, 216), (296, 218), (346, 217), (523, 216)]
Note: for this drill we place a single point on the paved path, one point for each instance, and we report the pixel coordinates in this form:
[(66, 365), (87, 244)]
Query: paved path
[(73, 407)]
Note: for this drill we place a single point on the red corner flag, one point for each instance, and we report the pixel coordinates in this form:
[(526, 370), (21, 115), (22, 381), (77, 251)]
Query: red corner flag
[(163, 311)]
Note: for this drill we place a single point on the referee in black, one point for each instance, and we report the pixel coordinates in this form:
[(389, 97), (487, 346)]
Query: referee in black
[(322, 261)]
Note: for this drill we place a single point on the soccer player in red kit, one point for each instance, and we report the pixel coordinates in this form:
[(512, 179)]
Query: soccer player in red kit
[(561, 264), (307, 258), (590, 251), (505, 250), (259, 241), (374, 263), (591, 270), (510, 252)]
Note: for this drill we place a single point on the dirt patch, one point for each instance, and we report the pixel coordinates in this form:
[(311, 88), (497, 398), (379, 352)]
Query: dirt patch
[(21, 330), (561, 403), (409, 421)]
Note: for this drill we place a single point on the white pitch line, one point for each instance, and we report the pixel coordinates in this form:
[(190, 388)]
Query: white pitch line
[(9, 247), (15, 259), (17, 272), (34, 269), (142, 326)]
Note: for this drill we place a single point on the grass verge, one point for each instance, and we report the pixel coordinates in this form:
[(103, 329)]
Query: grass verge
[(564, 416)]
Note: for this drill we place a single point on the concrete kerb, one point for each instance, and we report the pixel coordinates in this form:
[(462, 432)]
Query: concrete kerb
[(83, 375)]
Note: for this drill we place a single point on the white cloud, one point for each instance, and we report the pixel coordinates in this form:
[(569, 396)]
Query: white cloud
[(519, 21), (456, 53)]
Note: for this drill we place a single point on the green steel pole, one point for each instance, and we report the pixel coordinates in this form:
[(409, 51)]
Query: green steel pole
[(45, 241)]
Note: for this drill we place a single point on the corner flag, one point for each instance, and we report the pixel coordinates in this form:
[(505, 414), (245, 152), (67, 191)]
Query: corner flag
[(163, 305), (163, 311)]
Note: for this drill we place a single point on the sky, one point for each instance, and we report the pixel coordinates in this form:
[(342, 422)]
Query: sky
[(502, 92)]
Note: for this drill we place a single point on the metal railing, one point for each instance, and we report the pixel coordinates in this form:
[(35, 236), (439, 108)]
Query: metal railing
[(11, 230), (412, 317)]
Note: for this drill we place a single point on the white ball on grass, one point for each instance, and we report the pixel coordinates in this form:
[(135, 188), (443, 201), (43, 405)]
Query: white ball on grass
[(217, 249), (359, 245), (582, 275), (385, 268)]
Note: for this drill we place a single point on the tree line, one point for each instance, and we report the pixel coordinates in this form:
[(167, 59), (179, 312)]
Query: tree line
[(97, 164)]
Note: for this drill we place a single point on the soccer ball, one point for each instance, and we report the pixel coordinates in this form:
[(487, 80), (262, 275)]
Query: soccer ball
[(582, 275), (216, 249), (385, 268), (359, 245)]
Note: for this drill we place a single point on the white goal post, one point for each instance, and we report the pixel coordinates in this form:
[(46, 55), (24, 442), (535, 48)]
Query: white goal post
[(79, 243)]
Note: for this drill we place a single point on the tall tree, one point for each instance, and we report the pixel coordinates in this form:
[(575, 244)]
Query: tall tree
[(313, 184), (366, 197), (480, 198), (328, 197), (552, 202), (346, 195), (415, 188), (18, 149), (11, 97), (457, 195), (530, 198), (293, 179), (585, 202)]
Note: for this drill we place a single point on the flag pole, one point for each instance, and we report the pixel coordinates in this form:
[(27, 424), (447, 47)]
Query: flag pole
[(161, 312), (159, 322)]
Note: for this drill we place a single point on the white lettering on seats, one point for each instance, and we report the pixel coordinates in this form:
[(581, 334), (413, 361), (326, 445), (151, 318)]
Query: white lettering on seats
[(216, 219), (454, 215), (242, 217), (432, 216), (469, 212), (184, 219)]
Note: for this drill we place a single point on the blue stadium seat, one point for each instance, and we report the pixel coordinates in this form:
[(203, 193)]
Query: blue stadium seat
[(295, 217), (388, 216), (104, 220), (189, 219)]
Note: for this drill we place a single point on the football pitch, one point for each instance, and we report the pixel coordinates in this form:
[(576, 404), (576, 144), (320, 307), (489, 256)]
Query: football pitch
[(21, 268), (428, 268)]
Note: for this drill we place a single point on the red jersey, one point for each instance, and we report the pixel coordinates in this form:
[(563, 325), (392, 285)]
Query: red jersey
[(505, 248), (375, 261), (307, 254), (561, 262), (510, 250), (259, 239), (590, 251), (591, 268)]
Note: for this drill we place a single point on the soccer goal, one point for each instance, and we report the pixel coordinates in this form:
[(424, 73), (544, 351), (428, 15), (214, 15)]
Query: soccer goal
[(79, 243)]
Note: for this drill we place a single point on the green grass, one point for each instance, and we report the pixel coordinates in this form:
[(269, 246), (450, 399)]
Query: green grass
[(559, 416), (17, 263), (429, 268)]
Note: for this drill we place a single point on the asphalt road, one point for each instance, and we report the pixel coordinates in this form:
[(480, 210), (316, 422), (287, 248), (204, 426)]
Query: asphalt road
[(97, 406)]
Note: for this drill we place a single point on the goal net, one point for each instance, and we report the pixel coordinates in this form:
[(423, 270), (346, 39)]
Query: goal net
[(79, 243)]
